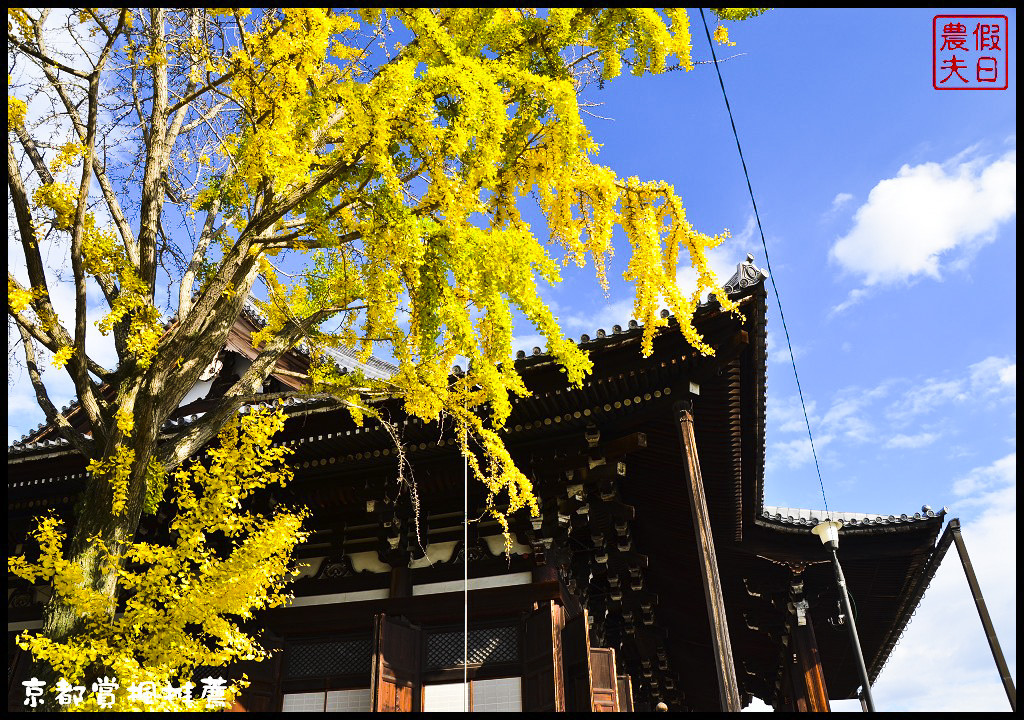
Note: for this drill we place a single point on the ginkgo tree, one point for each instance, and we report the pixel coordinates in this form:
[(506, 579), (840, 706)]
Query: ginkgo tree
[(357, 177), (184, 597)]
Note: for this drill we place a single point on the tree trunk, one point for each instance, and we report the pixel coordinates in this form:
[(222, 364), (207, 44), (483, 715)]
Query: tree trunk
[(94, 518), (150, 396)]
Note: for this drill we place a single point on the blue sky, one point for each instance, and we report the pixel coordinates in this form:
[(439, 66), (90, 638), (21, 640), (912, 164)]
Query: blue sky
[(890, 215)]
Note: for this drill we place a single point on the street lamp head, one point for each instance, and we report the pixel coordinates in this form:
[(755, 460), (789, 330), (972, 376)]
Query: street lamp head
[(828, 532)]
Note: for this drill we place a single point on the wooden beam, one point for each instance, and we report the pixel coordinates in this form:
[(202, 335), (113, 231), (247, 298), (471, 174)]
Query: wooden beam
[(608, 451), (729, 694), (730, 348), (435, 609)]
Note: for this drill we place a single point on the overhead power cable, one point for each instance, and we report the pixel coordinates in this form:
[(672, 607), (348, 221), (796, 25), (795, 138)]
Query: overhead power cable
[(768, 262)]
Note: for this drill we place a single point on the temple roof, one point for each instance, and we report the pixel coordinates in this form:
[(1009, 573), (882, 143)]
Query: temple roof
[(606, 463)]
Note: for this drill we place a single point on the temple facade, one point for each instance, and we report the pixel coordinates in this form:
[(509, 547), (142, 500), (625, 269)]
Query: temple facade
[(655, 574)]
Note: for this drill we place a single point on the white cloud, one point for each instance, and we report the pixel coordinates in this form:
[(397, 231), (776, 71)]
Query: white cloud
[(993, 375), (928, 395), (1001, 473), (527, 343), (604, 316), (840, 200), (855, 296), (857, 416), (792, 454), (911, 224), (787, 415), (992, 379), (1008, 375), (846, 416), (911, 441), (778, 353), (844, 419)]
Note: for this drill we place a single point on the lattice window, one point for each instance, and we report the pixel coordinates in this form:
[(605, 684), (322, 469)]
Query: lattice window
[(332, 657), (486, 646)]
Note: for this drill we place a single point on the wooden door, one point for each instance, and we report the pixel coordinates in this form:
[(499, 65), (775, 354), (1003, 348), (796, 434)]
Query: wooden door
[(396, 665), (576, 664), (604, 692), (625, 693), (542, 660)]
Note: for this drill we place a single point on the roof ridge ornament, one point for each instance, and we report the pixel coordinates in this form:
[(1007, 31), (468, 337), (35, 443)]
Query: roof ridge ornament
[(747, 275)]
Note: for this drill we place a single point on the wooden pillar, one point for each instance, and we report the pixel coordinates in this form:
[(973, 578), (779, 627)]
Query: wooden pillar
[(401, 582), (986, 620), (795, 680), (809, 664), (784, 685), (728, 688)]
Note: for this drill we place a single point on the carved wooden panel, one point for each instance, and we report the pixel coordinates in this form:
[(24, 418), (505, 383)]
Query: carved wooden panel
[(604, 689)]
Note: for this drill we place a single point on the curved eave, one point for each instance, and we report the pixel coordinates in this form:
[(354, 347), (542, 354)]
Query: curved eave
[(872, 525), (888, 559)]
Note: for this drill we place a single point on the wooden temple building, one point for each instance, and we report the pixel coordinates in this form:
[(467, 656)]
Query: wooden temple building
[(655, 573)]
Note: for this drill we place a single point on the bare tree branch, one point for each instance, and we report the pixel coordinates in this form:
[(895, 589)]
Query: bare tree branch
[(27, 231), (201, 91), (189, 276), (45, 59), (33, 153), (45, 338), (83, 444), (205, 117), (109, 196)]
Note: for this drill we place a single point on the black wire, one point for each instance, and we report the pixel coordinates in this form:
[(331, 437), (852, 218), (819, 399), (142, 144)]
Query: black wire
[(771, 275)]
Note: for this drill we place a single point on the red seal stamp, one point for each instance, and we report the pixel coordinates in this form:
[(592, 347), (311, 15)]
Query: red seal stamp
[(970, 52)]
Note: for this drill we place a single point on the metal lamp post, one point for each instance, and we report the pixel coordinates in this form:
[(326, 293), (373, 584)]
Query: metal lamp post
[(828, 532)]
